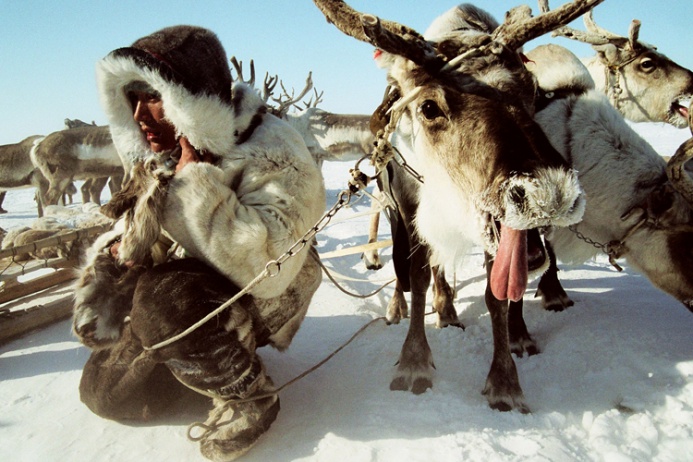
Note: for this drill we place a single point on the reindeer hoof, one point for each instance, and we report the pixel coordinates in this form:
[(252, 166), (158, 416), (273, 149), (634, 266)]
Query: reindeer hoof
[(399, 384), (505, 401), (442, 323), (420, 385), (523, 346), (554, 302), (410, 380), (372, 261)]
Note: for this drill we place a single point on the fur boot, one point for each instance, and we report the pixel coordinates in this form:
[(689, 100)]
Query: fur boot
[(125, 382), (233, 428), (217, 360)]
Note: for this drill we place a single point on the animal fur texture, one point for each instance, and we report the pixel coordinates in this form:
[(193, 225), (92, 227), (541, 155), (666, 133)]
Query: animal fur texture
[(623, 176)]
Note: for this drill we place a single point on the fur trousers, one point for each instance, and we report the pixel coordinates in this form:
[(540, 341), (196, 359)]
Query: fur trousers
[(218, 359)]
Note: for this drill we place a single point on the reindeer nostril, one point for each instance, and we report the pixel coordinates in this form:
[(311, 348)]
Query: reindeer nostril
[(518, 194)]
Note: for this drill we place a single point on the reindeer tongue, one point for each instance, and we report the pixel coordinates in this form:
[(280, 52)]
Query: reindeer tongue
[(509, 272)]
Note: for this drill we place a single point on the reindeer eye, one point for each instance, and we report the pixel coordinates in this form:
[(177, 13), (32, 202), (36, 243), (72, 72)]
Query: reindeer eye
[(430, 110), (648, 65)]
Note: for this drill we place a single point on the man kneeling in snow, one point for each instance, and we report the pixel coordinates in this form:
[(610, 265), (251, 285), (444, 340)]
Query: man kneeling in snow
[(240, 189)]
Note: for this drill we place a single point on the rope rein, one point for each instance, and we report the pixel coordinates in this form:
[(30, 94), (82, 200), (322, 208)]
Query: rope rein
[(614, 90), (272, 268), (207, 429), (382, 153)]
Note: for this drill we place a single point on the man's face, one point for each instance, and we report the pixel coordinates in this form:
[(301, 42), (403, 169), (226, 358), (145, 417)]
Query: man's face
[(148, 112)]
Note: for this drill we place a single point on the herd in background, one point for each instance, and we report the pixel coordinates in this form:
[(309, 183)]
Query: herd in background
[(616, 190)]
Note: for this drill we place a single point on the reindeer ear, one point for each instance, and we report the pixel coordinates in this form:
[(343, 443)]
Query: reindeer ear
[(609, 51), (659, 201), (381, 115)]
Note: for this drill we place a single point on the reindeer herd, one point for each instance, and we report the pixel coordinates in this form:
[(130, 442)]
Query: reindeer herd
[(524, 154)]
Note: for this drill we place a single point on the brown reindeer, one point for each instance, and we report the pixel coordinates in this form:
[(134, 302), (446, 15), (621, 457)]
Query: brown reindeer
[(485, 173), (92, 187), (76, 154), (18, 171)]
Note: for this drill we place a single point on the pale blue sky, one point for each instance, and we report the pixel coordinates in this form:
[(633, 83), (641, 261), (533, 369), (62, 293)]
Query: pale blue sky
[(48, 48)]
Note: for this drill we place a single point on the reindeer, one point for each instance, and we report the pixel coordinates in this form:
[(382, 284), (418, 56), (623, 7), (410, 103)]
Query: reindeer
[(460, 115), (655, 91), (76, 153), (638, 207), (328, 136), (642, 83), (18, 171), (92, 187)]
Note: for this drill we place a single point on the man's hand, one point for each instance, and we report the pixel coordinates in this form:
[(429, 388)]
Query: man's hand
[(189, 154), (114, 253)]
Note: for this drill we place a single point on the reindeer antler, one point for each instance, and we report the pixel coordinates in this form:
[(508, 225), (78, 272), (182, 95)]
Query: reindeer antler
[(238, 65), (386, 35), (268, 86), (596, 35), (318, 99), (519, 28), (285, 104)]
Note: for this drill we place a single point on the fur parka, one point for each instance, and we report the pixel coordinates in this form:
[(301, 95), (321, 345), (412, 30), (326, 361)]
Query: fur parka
[(264, 191)]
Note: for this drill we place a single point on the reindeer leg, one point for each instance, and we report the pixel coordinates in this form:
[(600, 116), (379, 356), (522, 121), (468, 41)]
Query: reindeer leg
[(85, 190), (97, 185), (371, 257), (415, 365), (58, 184), (397, 309), (520, 340), (2, 198), (502, 388), (115, 183), (443, 300), (553, 296)]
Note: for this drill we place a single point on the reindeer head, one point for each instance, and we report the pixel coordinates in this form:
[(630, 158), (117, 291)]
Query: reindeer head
[(465, 111), (642, 83)]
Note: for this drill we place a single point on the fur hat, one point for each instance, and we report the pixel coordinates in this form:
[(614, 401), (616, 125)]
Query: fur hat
[(191, 56), (188, 67)]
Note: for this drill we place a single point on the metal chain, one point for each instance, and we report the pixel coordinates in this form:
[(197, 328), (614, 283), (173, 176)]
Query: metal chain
[(595, 244), (407, 168), (613, 249), (273, 267)]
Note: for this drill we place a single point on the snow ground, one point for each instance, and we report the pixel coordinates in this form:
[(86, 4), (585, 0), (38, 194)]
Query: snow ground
[(613, 382)]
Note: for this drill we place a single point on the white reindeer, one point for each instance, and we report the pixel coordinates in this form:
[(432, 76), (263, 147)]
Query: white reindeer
[(642, 83), (643, 214)]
